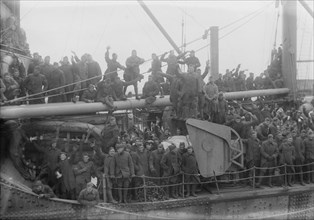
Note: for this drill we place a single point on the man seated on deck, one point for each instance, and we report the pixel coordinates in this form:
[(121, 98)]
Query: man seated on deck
[(43, 191), (89, 95), (89, 196)]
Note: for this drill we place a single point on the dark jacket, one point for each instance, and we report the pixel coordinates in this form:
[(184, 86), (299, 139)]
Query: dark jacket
[(68, 178), (170, 163), (88, 95), (69, 78), (154, 163), (93, 70), (89, 198), (253, 151), (33, 83), (269, 152), (190, 166)]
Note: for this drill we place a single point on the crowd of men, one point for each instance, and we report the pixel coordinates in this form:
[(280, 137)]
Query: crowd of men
[(83, 79), (272, 135)]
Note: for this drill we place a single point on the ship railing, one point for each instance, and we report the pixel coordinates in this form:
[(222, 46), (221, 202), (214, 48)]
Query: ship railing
[(250, 175)]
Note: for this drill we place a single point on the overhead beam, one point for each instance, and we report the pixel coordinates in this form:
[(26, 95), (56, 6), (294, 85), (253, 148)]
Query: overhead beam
[(305, 61), (69, 108), (159, 26)]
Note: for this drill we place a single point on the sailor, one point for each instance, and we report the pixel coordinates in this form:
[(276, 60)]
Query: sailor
[(170, 164), (188, 98), (17, 65), (176, 85), (46, 67), (192, 60), (93, 70), (190, 169), (287, 156), (123, 170), (89, 196), (269, 153), (55, 80), (309, 156), (132, 70), (108, 163), (118, 85), (138, 171), (220, 83), (143, 154), (12, 87), (2, 90), (89, 95), (150, 90), (250, 82), (105, 94), (109, 134), (36, 83), (51, 155), (43, 191), (112, 65), (222, 109), (67, 178), (263, 130), (201, 92), (253, 153), (299, 155), (69, 77), (35, 62), (83, 172), (211, 95), (80, 67), (154, 163), (172, 62), (20, 80)]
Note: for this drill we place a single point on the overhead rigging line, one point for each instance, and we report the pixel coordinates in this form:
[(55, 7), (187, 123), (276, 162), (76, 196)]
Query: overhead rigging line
[(248, 15), (71, 27), (105, 28), (233, 30), (265, 6)]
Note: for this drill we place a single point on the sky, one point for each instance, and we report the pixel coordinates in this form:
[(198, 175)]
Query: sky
[(56, 28)]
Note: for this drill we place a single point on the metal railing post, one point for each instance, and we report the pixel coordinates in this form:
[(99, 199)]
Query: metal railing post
[(183, 186), (104, 187), (253, 183), (144, 188), (285, 166)]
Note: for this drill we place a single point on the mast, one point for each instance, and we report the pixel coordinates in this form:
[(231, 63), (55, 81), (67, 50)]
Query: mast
[(289, 46), (163, 31), (214, 51)]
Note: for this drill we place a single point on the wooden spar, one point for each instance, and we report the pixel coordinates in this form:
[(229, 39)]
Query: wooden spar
[(160, 27), (69, 108), (307, 8)]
